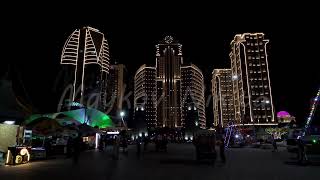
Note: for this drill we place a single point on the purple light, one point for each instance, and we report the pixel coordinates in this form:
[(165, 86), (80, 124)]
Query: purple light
[(283, 114)]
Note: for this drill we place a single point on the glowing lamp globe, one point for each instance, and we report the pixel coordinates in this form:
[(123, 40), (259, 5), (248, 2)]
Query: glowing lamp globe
[(283, 114)]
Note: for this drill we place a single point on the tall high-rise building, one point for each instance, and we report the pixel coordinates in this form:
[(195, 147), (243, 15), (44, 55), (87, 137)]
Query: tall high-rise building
[(192, 94), (116, 88), (168, 63), (86, 53), (145, 95), (173, 88), (251, 81), (222, 93)]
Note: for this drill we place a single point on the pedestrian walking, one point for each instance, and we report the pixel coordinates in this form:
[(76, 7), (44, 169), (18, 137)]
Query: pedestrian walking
[(77, 148), (138, 146), (69, 147), (116, 148), (220, 139), (101, 145), (274, 144), (145, 143)]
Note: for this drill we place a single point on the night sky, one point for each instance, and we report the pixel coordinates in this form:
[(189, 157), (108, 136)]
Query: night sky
[(205, 36)]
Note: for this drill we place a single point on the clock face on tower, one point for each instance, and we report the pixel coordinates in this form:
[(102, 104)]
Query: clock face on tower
[(168, 39)]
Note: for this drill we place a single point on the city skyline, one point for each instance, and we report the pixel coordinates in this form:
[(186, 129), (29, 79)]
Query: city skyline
[(283, 82), (160, 90)]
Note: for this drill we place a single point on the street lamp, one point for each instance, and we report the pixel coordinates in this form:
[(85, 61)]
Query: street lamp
[(122, 114)]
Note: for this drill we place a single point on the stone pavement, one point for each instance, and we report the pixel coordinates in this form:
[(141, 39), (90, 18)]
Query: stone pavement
[(178, 163)]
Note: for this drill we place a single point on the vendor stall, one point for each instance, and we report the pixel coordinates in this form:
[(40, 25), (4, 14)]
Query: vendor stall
[(18, 155), (11, 138)]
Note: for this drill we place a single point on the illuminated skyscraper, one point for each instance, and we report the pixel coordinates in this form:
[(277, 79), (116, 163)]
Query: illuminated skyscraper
[(86, 52), (222, 93), (116, 88), (171, 88), (192, 94), (251, 82), (168, 63), (145, 96)]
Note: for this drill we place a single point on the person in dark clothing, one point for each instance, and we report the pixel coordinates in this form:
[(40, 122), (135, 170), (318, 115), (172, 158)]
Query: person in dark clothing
[(220, 139), (69, 147), (77, 148), (145, 144), (138, 146), (47, 146), (274, 144), (101, 146), (124, 144)]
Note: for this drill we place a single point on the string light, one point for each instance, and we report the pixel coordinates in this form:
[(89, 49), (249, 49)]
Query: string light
[(313, 107)]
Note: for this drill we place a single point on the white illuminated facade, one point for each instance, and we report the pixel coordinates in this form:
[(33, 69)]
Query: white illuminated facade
[(222, 93), (192, 87), (86, 51), (250, 80), (145, 96)]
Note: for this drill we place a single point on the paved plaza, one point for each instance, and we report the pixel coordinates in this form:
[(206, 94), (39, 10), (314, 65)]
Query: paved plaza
[(178, 163)]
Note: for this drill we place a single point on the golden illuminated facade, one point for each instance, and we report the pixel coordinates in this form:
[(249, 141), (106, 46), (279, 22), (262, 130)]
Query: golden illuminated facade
[(86, 52), (222, 93), (168, 63), (166, 90), (251, 81), (192, 94), (145, 96)]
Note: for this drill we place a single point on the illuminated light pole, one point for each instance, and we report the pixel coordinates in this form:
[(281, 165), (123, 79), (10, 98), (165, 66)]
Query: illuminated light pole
[(122, 114)]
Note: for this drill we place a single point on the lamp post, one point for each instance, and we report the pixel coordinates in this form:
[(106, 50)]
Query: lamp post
[(122, 114)]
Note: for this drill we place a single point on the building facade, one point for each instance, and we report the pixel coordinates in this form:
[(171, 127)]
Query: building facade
[(250, 79), (116, 88), (192, 94), (222, 93), (145, 95), (171, 88), (86, 53), (168, 76)]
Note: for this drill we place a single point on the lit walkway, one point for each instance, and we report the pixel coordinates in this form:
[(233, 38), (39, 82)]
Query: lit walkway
[(178, 163)]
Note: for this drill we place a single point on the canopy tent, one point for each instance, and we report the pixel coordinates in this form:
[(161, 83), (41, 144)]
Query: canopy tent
[(92, 117), (45, 126)]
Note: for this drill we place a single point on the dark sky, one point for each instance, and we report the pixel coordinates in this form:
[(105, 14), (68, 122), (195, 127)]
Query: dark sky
[(36, 41)]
